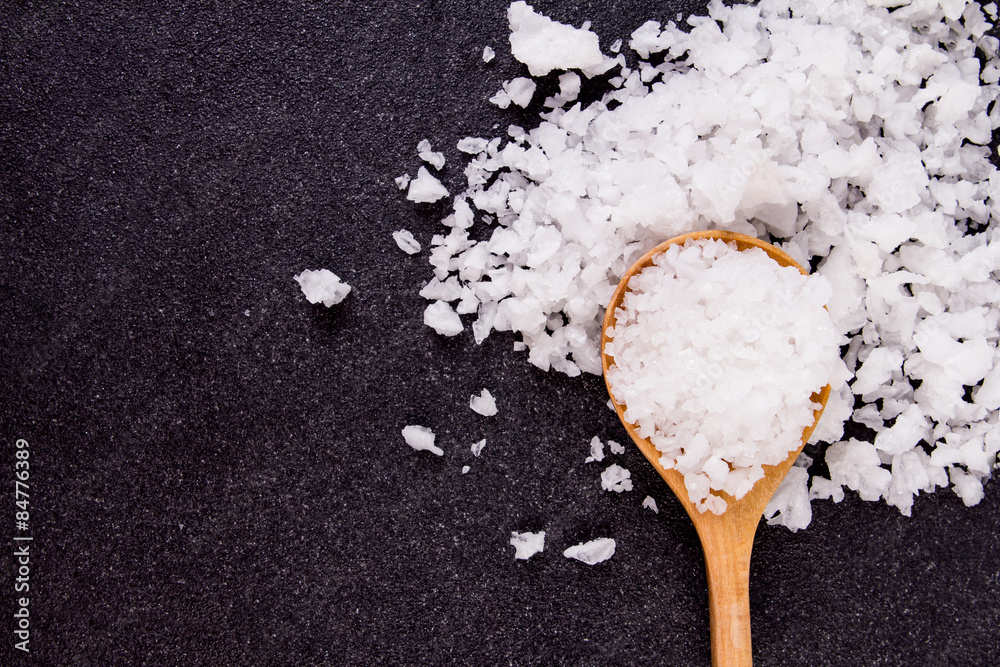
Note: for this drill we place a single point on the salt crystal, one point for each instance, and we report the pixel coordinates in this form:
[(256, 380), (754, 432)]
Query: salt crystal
[(544, 45), (472, 145), (527, 545), (477, 447), (488, 54), (406, 242), (421, 438), (484, 404), (615, 447), (593, 552), (596, 450), (617, 479), (440, 317), (649, 503), (321, 286), (425, 188)]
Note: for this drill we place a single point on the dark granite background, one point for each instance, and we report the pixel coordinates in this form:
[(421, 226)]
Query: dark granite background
[(217, 474)]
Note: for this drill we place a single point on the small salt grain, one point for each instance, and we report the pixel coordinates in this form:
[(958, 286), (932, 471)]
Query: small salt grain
[(593, 552), (615, 447), (406, 242), (520, 90), (466, 469), (421, 438), (484, 404), (472, 145), (488, 54), (649, 503), (527, 545), (402, 181), (321, 286), (477, 447), (425, 188), (596, 450)]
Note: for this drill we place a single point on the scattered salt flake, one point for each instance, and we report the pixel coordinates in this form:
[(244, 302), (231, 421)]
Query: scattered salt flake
[(421, 438), (527, 545), (406, 242), (596, 450), (477, 447), (466, 469), (520, 90), (322, 286), (615, 447), (402, 181), (428, 155), (593, 552), (472, 145), (484, 404), (501, 99), (488, 54), (649, 503), (425, 188), (443, 319), (544, 45), (617, 479)]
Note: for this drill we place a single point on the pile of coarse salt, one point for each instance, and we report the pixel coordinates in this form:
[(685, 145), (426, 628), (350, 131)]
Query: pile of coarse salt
[(716, 354), (854, 135)]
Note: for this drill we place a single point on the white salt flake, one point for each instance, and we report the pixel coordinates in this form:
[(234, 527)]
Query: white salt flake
[(617, 479), (425, 188), (421, 438), (428, 155), (406, 242), (596, 450), (477, 447), (466, 469), (615, 447), (322, 286), (520, 90), (440, 317), (402, 181), (488, 54), (649, 503), (593, 552), (527, 545), (472, 145), (544, 45), (484, 404)]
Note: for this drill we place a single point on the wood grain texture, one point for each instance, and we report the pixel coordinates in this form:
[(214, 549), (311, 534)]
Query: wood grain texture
[(726, 539)]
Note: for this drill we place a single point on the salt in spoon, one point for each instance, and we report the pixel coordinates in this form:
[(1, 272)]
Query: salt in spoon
[(727, 538)]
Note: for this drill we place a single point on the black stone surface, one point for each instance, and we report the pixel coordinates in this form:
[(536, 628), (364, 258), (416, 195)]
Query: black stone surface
[(217, 475)]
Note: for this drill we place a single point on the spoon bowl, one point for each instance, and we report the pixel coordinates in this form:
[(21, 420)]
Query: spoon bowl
[(727, 538)]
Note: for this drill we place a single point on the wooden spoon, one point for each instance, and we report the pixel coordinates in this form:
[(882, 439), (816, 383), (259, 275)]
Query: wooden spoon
[(726, 538)]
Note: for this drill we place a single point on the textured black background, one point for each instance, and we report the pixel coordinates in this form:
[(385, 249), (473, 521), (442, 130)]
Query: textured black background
[(217, 471)]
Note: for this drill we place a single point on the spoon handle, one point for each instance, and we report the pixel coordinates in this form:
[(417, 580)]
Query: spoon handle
[(727, 564)]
